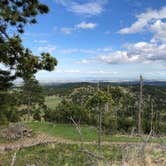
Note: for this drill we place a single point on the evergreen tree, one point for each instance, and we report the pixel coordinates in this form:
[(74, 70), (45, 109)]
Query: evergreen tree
[(33, 95), (16, 60)]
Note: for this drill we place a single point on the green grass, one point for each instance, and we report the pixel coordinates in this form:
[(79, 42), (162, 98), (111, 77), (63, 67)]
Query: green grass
[(52, 101), (58, 155), (68, 131), (89, 133)]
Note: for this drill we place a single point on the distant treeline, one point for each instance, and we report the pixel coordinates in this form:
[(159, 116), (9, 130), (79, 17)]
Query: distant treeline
[(158, 90)]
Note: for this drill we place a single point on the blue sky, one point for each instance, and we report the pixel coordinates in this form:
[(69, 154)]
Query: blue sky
[(101, 39)]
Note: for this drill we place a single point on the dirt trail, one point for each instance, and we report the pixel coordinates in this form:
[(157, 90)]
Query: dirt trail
[(46, 139)]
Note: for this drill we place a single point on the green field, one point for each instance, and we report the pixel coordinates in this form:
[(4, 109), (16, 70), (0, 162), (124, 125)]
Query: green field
[(52, 101), (68, 131)]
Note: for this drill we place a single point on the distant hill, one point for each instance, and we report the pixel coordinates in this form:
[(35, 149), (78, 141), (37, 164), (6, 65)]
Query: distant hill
[(154, 83)]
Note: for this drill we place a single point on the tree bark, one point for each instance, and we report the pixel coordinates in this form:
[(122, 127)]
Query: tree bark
[(99, 121), (140, 105), (29, 108), (100, 129), (152, 114)]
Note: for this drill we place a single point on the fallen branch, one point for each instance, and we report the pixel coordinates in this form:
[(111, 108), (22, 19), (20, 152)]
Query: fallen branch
[(14, 157)]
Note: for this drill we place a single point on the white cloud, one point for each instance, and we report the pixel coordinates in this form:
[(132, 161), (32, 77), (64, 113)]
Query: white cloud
[(69, 51), (105, 49), (159, 28), (78, 50), (144, 20), (102, 72), (86, 51), (66, 30), (67, 71), (76, 71), (84, 61), (117, 57), (84, 25), (89, 8), (141, 52), (49, 49), (41, 41)]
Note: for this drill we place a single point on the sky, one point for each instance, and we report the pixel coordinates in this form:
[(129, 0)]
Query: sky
[(101, 39)]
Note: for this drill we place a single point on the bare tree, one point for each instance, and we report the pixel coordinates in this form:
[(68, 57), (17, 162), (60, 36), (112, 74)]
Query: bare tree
[(99, 120), (152, 114), (140, 105), (93, 158), (107, 104)]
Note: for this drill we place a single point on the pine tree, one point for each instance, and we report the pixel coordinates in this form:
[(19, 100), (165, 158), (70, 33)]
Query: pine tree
[(33, 95), (16, 60)]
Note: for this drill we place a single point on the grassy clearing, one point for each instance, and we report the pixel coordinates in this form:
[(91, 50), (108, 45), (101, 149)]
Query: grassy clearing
[(58, 155), (68, 131), (52, 101)]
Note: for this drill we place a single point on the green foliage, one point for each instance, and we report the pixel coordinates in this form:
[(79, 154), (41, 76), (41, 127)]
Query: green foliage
[(32, 96), (32, 92), (19, 13), (59, 155), (65, 110), (80, 95), (8, 112), (122, 112), (17, 60), (109, 122), (99, 99), (52, 101)]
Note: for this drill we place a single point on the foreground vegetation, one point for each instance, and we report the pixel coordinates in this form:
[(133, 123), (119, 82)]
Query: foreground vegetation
[(74, 153), (57, 155)]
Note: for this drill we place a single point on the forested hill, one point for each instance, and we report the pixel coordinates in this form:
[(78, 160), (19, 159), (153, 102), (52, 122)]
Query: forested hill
[(153, 88)]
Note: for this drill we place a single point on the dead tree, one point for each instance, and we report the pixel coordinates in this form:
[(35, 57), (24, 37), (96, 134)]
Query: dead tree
[(93, 158), (140, 105), (107, 104), (152, 114), (99, 121)]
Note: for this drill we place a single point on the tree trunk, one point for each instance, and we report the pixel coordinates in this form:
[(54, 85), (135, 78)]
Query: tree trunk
[(99, 121), (107, 104), (140, 106), (100, 128), (29, 108), (152, 113)]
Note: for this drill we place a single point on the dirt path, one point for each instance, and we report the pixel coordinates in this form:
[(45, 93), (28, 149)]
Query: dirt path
[(46, 139)]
